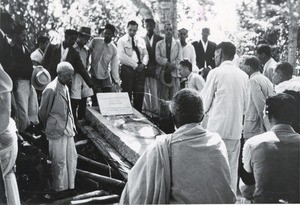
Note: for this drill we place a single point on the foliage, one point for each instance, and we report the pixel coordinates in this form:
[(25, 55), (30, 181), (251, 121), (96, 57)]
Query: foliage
[(268, 24)]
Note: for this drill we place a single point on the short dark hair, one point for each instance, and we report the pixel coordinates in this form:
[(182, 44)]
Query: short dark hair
[(5, 18), (187, 106), (285, 68), (19, 28), (228, 49), (134, 23), (264, 48), (253, 62), (110, 27), (206, 29), (42, 39), (70, 32), (150, 21), (282, 107), (187, 64)]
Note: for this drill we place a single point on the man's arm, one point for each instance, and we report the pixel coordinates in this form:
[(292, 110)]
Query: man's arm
[(79, 68), (208, 92), (46, 105), (115, 67), (159, 58), (246, 158), (124, 58), (144, 53), (258, 98)]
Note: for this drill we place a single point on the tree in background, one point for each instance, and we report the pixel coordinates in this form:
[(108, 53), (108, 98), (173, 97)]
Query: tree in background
[(269, 21)]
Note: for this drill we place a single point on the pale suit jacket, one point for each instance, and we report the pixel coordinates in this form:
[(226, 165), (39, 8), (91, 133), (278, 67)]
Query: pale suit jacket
[(176, 55), (260, 87)]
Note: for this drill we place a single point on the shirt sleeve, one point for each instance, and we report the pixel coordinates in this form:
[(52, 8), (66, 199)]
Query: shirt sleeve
[(124, 58), (247, 157), (208, 92), (258, 97), (199, 82), (115, 67), (46, 105)]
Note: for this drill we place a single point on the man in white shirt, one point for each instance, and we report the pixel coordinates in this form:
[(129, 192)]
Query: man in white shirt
[(285, 82), (225, 102), (133, 57), (264, 56), (188, 50), (194, 80), (105, 62)]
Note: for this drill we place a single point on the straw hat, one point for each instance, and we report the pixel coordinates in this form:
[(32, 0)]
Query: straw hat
[(40, 78), (166, 78)]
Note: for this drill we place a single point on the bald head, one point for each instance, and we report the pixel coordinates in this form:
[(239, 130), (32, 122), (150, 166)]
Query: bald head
[(65, 71), (64, 67)]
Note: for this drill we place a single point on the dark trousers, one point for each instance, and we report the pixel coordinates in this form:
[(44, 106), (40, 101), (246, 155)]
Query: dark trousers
[(78, 108), (133, 82), (103, 86)]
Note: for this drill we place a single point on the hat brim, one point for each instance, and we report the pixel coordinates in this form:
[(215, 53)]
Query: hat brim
[(33, 82), (162, 79)]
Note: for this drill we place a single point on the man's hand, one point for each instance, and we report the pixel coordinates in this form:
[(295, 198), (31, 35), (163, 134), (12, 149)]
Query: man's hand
[(140, 67)]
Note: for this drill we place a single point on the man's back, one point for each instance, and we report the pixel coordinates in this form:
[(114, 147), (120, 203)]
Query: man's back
[(275, 158), (200, 171), (225, 100)]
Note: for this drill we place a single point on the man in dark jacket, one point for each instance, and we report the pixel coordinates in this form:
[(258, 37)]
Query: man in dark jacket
[(25, 95), (55, 54)]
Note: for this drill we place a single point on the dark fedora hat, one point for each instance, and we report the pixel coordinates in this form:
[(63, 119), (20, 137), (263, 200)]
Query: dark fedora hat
[(85, 31)]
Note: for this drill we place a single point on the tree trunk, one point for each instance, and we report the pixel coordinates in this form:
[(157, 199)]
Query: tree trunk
[(167, 12), (144, 10), (294, 11)]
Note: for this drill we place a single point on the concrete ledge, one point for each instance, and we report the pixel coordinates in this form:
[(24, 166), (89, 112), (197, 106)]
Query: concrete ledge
[(130, 146)]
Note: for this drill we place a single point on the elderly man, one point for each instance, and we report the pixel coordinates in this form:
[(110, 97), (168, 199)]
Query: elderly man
[(188, 166), (8, 140), (274, 156), (260, 87), (134, 57), (285, 82), (225, 102), (168, 55), (56, 114), (264, 55), (194, 81)]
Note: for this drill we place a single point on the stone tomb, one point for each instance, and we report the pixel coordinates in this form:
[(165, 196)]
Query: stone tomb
[(130, 135)]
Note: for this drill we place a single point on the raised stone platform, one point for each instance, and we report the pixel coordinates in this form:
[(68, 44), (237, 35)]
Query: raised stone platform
[(130, 135)]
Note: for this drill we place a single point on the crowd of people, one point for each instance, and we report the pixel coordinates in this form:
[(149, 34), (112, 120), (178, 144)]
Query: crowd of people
[(236, 117)]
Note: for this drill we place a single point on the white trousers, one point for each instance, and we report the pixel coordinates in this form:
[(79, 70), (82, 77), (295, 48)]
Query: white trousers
[(150, 104), (26, 104), (233, 151), (8, 158), (63, 155)]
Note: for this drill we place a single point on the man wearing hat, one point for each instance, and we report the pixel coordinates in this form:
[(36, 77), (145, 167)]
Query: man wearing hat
[(168, 55), (105, 62), (80, 90), (64, 51)]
